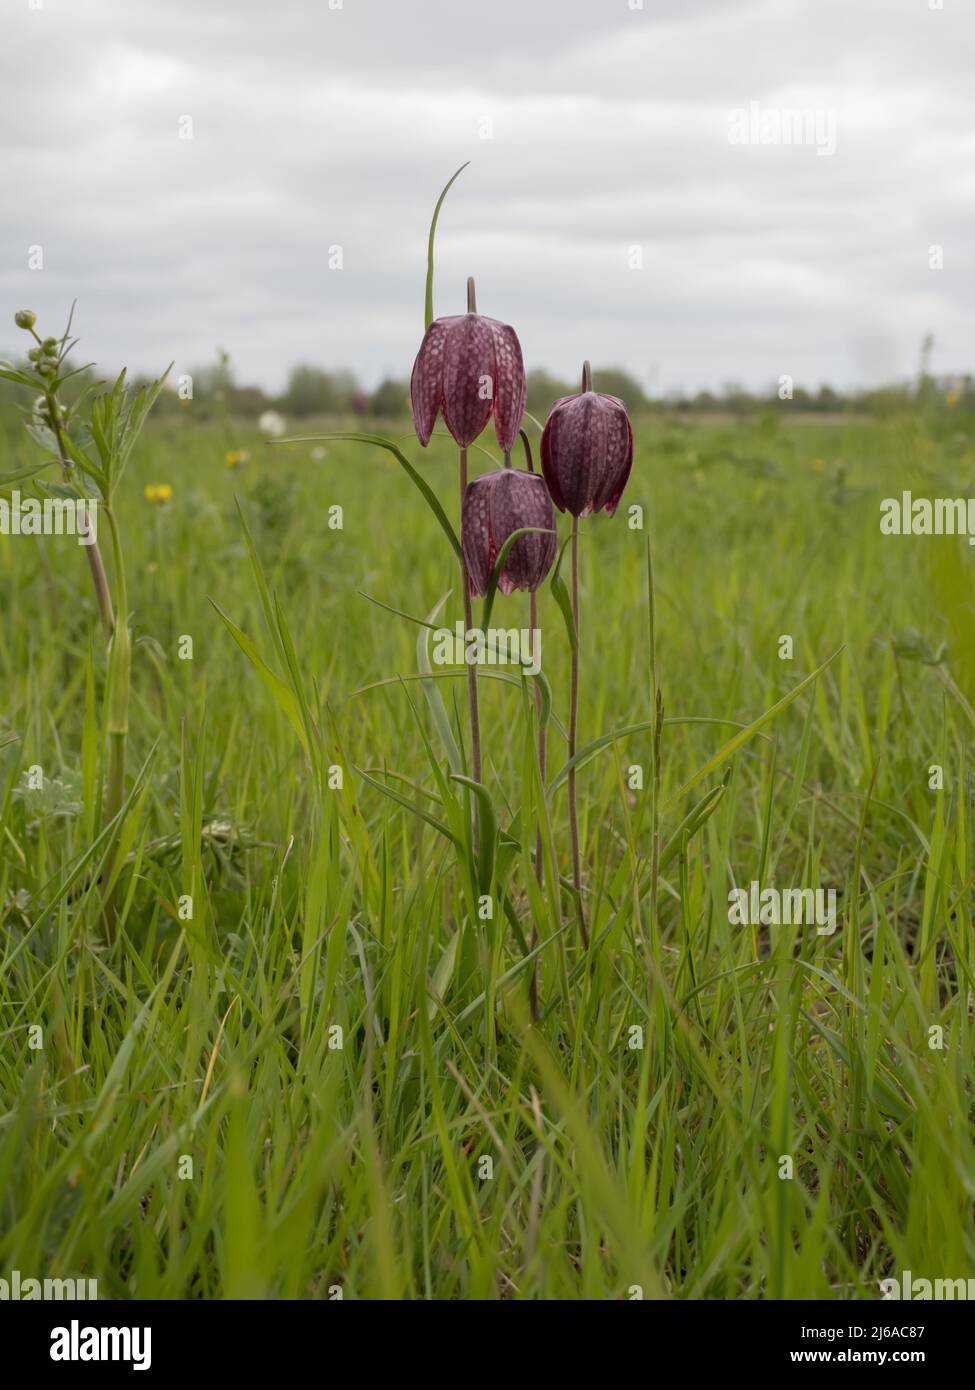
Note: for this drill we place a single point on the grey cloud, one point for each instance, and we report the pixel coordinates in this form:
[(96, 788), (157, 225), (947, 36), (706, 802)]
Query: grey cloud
[(610, 128)]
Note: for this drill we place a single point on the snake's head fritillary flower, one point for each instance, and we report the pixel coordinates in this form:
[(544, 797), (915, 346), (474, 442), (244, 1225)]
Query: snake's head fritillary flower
[(469, 369), (495, 506), (587, 451)]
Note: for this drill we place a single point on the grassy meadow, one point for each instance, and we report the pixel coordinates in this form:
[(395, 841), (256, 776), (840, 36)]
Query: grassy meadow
[(327, 1081)]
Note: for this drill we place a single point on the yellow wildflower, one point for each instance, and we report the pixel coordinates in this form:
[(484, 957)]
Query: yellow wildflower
[(160, 493)]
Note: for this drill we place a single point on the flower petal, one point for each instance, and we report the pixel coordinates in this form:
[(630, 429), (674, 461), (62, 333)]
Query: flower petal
[(468, 378), (510, 386), (617, 454), (548, 452), (475, 534), (531, 557), (572, 447), (519, 499), (426, 382)]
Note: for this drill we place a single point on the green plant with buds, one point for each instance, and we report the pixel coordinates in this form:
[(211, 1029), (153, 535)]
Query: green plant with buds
[(90, 444)]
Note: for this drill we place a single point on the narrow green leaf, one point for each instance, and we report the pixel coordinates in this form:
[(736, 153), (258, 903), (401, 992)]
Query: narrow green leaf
[(22, 474), (586, 754), (429, 496), (410, 806), (261, 582), (431, 691), (489, 829), (746, 734), (561, 596), (688, 827), (283, 695), (64, 490), (9, 373), (443, 974), (428, 302), (495, 579)]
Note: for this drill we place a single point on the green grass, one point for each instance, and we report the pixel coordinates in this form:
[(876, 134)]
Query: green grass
[(316, 1166)]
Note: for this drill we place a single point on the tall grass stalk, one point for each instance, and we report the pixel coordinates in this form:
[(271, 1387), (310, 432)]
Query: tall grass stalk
[(539, 860), (99, 579), (469, 621)]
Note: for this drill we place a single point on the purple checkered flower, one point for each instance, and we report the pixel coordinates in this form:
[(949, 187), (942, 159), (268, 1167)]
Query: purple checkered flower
[(495, 506), (469, 368), (587, 451)]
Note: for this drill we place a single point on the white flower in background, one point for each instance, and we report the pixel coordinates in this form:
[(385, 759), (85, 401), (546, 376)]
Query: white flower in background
[(271, 423), (318, 453)]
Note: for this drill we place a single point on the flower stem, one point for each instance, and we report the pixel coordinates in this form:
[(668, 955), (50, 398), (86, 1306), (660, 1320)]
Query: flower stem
[(95, 562), (539, 864), (471, 666), (573, 723), (120, 658)]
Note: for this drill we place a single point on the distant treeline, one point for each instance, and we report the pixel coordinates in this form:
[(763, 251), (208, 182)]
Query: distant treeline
[(315, 391)]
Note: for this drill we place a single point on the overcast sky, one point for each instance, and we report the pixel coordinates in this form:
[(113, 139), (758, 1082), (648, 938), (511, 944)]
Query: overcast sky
[(611, 128)]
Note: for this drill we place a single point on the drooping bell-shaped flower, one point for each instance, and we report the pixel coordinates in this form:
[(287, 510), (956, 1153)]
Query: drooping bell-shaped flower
[(496, 505), (587, 451), (469, 368)]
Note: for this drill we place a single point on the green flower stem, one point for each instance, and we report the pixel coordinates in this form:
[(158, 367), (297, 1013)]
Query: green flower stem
[(119, 668), (539, 864), (119, 659), (471, 666), (95, 562), (573, 723)]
